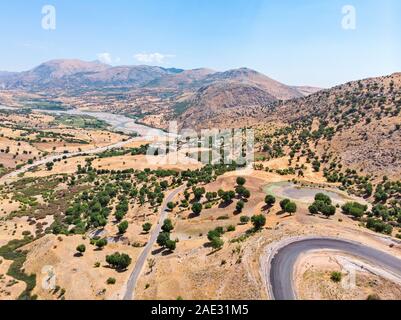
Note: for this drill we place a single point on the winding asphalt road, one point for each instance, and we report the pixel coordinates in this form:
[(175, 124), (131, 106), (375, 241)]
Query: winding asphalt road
[(281, 271), (133, 279), (52, 158)]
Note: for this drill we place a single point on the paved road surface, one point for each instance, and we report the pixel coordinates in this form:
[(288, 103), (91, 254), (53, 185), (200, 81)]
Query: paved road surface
[(282, 264), (130, 291), (52, 158)]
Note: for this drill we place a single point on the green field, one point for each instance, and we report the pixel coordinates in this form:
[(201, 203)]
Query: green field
[(83, 122)]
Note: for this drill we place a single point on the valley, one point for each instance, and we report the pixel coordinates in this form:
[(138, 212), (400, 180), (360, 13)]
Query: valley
[(87, 212)]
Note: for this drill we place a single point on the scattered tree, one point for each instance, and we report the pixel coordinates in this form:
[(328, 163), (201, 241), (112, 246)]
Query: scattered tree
[(354, 209), (81, 249), (313, 209), (198, 193), (171, 245), (171, 206), (228, 196), (270, 200), (323, 205), (167, 226), (213, 234), (328, 211), (259, 221), (163, 238), (240, 206), (379, 226), (241, 181), (197, 208), (244, 219), (146, 227), (283, 203), (122, 227), (322, 197), (217, 243), (119, 261), (290, 208), (101, 243)]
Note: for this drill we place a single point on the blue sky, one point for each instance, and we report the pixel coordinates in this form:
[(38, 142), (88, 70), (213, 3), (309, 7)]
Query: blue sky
[(299, 42)]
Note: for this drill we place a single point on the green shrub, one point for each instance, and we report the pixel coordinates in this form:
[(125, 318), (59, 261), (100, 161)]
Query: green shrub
[(147, 227), (101, 243), (122, 227), (290, 208), (336, 276), (11, 252), (167, 226), (197, 208), (258, 221), (171, 245), (119, 261), (163, 238), (379, 226), (270, 200), (244, 219), (240, 206), (324, 198), (217, 243), (283, 203), (81, 249), (354, 209), (241, 181)]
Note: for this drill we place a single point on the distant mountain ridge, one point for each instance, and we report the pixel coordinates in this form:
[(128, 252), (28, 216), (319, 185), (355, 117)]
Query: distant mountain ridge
[(76, 74)]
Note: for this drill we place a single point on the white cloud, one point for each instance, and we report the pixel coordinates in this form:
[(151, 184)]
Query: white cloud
[(105, 57), (152, 57)]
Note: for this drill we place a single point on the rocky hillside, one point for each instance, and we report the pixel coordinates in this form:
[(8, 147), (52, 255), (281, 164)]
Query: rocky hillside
[(223, 104), (356, 124), (254, 78), (187, 79)]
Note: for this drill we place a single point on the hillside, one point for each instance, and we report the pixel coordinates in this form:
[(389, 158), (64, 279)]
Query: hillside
[(356, 124), (306, 90), (225, 103), (251, 77), (187, 79)]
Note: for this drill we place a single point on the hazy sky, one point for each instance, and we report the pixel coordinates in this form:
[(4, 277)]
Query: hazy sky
[(294, 41)]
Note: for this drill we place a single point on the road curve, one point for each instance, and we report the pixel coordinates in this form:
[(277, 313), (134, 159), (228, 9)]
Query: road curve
[(52, 158), (130, 289), (282, 263)]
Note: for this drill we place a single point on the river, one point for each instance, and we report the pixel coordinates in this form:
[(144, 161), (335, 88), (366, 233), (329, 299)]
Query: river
[(116, 121)]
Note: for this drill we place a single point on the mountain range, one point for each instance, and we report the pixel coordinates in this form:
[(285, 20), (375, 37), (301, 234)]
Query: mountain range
[(74, 75)]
